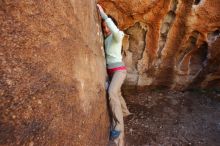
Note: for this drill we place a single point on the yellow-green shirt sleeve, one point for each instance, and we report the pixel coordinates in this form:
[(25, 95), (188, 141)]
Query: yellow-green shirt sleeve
[(117, 34)]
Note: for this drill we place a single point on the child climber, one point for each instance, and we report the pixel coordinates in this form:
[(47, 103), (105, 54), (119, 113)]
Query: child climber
[(117, 73)]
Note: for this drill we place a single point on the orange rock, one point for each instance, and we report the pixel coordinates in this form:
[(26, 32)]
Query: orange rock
[(178, 41), (52, 74)]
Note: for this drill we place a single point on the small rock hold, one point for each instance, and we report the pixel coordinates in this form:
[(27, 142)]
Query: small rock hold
[(13, 117), (131, 131), (39, 102), (31, 143), (9, 82), (1, 92)]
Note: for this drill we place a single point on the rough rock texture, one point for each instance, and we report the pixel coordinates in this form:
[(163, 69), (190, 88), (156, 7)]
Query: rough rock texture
[(52, 74), (170, 43)]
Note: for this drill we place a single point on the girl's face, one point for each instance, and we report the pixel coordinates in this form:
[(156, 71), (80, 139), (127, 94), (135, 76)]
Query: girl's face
[(105, 29)]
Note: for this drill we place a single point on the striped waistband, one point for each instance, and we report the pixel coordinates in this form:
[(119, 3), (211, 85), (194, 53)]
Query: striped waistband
[(115, 65)]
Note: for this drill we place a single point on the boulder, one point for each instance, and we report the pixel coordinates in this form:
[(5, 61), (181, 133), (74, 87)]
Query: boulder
[(52, 74)]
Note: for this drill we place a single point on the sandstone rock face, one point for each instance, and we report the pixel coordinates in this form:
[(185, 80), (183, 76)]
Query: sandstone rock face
[(170, 43), (52, 74)]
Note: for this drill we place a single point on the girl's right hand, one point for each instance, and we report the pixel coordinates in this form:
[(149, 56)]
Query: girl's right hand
[(100, 8)]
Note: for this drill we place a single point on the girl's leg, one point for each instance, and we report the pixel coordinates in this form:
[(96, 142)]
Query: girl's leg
[(124, 107), (115, 104)]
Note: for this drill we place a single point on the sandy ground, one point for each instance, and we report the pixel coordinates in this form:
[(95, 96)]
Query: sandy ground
[(168, 118)]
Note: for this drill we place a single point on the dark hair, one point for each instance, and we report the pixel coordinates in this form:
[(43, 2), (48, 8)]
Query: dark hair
[(113, 19)]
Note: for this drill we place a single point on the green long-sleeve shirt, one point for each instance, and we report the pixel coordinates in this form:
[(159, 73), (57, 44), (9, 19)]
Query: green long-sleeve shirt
[(113, 44)]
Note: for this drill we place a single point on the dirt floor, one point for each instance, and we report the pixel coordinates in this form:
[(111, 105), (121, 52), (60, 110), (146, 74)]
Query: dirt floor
[(168, 118)]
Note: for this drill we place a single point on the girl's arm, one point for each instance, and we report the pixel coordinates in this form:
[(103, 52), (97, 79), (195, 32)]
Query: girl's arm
[(117, 34)]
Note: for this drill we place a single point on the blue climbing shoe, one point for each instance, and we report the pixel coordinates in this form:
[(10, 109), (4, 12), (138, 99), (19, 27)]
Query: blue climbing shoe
[(114, 134)]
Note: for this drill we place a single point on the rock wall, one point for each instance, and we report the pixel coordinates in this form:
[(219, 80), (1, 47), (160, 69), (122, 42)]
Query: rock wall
[(170, 43), (52, 74)]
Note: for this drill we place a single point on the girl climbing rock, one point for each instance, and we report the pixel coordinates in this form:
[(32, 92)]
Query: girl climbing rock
[(117, 73)]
